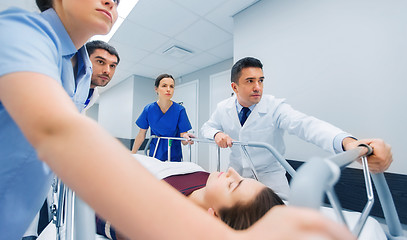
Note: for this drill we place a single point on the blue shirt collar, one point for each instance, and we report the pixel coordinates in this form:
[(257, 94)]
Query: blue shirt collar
[(239, 107), (53, 19)]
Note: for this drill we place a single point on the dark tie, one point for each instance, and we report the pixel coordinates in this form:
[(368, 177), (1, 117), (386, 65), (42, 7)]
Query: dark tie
[(244, 113)]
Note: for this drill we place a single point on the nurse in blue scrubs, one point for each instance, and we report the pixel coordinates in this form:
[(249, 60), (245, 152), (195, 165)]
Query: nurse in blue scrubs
[(166, 119)]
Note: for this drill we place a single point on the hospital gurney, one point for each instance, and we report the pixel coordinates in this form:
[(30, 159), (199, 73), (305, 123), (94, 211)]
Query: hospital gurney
[(307, 189)]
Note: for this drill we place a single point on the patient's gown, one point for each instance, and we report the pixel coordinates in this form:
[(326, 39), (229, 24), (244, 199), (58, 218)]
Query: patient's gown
[(170, 124)]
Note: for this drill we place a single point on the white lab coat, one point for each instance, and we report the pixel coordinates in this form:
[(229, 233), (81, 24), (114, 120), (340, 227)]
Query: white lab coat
[(92, 101), (267, 123)]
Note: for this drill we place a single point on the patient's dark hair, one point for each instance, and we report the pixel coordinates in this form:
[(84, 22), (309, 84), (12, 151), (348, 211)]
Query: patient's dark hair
[(44, 4), (160, 77), (243, 215), (243, 63)]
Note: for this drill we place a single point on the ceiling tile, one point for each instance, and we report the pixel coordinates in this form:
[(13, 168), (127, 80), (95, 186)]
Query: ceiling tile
[(129, 53), (182, 69), (199, 7), (224, 51), (160, 61), (148, 71), (223, 15), (163, 16), (203, 60), (133, 34), (204, 34)]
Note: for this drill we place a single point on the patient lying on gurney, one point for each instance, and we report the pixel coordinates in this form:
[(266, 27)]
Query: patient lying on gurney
[(237, 201)]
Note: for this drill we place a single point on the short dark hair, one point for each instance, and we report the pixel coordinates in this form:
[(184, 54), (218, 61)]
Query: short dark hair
[(97, 44), (160, 77), (44, 4), (243, 63), (242, 215)]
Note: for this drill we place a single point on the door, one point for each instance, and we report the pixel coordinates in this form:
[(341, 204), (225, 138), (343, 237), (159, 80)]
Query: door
[(187, 95), (220, 89)]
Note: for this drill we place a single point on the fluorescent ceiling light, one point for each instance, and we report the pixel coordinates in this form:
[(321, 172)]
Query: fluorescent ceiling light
[(124, 9)]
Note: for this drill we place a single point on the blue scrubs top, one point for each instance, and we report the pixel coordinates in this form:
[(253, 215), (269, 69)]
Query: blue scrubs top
[(32, 42), (170, 124)]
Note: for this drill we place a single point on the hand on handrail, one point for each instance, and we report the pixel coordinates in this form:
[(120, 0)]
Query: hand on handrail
[(382, 156), (223, 140), (188, 137)]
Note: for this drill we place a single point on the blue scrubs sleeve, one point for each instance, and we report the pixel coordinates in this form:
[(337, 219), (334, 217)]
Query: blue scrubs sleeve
[(142, 120), (183, 122)]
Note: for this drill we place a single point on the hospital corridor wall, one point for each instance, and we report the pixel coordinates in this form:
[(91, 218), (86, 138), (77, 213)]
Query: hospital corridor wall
[(120, 106), (340, 61)]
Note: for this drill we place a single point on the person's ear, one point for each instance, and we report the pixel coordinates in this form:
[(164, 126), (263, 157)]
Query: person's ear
[(234, 87), (212, 212)]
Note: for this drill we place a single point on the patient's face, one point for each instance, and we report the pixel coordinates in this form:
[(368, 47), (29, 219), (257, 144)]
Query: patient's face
[(225, 189)]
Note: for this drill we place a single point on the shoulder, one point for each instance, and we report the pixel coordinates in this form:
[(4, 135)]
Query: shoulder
[(150, 106), (269, 103), (226, 103), (271, 100), (178, 106), (23, 26), (30, 39)]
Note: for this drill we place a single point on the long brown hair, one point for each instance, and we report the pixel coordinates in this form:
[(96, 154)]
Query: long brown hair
[(243, 215)]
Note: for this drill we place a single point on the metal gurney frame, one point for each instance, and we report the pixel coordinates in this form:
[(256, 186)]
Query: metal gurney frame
[(301, 194)]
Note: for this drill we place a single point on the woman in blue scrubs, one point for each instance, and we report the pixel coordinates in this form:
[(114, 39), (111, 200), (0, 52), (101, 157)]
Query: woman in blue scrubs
[(166, 119)]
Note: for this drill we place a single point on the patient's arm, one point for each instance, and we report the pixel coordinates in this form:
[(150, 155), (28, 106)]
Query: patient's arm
[(81, 153)]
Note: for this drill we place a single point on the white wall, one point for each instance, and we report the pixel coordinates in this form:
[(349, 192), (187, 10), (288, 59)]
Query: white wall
[(144, 94), (115, 109), (203, 76), (120, 106), (341, 61)]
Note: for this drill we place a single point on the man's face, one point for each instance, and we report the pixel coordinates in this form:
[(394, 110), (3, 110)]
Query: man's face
[(103, 65), (250, 86)]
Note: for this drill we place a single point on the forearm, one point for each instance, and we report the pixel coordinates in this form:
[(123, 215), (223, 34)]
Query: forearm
[(138, 141), (349, 143), (126, 177)]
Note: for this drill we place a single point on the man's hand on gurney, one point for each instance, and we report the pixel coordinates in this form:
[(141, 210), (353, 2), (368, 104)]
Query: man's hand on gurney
[(381, 158), (223, 140), (188, 136), (287, 222)]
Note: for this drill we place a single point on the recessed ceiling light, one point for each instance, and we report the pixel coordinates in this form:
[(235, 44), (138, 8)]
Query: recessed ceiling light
[(177, 52)]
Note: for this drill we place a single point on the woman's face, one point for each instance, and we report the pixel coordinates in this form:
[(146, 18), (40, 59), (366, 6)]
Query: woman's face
[(165, 90), (225, 189), (96, 16)]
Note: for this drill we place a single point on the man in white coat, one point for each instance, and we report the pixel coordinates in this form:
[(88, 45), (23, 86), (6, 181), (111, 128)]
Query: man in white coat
[(250, 116)]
